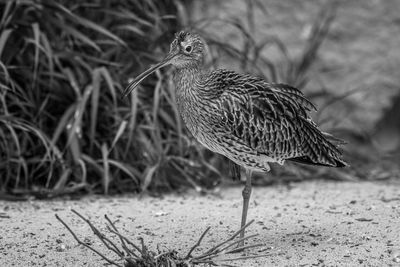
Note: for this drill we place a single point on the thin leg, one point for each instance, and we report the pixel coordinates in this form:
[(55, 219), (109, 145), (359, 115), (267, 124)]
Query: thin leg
[(246, 197)]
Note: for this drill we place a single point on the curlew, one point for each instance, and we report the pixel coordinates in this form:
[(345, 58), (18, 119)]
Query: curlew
[(246, 119)]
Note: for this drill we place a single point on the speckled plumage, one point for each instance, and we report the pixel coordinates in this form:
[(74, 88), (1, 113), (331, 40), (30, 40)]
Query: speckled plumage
[(250, 121)]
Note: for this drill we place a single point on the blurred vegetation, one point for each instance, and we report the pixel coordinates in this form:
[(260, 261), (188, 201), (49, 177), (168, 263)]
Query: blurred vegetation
[(63, 126)]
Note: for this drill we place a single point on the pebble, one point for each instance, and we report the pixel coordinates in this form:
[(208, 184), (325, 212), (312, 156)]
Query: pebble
[(396, 255), (61, 248)]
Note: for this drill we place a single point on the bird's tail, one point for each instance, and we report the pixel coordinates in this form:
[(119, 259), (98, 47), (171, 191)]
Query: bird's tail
[(320, 148)]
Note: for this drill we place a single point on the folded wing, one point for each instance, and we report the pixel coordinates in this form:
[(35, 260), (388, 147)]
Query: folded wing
[(271, 119)]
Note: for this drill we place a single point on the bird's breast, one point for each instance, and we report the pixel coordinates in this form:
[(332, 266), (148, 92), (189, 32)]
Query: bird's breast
[(200, 114), (195, 114), (199, 118)]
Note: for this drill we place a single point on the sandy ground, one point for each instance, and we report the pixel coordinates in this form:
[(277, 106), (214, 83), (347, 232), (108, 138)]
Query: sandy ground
[(305, 224)]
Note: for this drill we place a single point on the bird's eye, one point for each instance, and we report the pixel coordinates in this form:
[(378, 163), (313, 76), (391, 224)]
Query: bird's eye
[(188, 49)]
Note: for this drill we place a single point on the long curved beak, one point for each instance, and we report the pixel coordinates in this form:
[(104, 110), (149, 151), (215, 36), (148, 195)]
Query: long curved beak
[(133, 84)]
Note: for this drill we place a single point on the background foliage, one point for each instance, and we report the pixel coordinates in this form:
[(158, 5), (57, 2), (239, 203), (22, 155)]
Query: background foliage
[(63, 126)]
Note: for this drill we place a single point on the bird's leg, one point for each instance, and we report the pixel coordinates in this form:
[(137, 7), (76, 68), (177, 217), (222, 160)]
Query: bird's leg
[(246, 197)]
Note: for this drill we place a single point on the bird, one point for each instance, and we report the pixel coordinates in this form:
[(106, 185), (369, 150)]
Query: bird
[(245, 118)]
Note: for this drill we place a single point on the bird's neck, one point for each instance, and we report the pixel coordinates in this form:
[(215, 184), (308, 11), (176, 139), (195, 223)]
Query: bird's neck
[(187, 81)]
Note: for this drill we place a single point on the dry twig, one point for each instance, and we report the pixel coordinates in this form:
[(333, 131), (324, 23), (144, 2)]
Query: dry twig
[(133, 255)]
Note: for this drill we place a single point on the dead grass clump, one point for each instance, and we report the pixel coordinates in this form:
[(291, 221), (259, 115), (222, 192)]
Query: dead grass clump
[(131, 255)]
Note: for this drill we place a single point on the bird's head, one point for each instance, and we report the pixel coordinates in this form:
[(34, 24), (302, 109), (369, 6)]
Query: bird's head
[(186, 51)]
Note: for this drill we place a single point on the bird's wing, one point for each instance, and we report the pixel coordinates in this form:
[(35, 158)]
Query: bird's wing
[(271, 119)]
